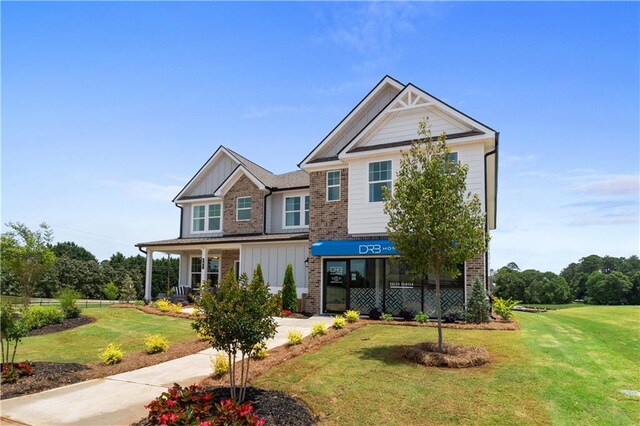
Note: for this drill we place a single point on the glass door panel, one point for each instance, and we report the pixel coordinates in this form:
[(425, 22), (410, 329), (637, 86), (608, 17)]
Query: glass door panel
[(335, 286)]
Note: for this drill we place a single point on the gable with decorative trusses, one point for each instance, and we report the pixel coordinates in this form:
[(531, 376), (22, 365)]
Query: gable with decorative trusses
[(397, 124)]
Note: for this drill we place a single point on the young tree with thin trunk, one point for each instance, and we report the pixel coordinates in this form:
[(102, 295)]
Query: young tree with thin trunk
[(27, 255), (434, 222)]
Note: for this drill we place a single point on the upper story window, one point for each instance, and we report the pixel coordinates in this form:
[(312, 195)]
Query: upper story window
[(333, 185), (379, 177), (207, 218), (243, 208), (296, 209)]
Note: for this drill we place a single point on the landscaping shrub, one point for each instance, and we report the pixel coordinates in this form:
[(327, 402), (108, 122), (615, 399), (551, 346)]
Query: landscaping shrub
[(139, 302), (67, 298), (192, 406), (375, 314), (12, 330), (421, 317), (156, 343), (339, 322), (504, 307), (294, 337), (163, 305), (112, 354), (478, 308), (219, 365), (318, 329), (12, 372), (285, 313), (39, 316), (110, 291), (352, 316), (453, 314), (127, 289), (386, 317), (259, 351), (176, 308), (289, 293)]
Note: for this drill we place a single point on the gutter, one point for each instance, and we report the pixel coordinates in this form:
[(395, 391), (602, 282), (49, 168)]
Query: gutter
[(142, 250)]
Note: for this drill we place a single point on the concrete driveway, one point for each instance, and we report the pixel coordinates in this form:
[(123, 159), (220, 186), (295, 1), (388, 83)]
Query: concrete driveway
[(120, 399)]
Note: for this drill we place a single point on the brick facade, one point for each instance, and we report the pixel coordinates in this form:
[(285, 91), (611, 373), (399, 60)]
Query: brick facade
[(243, 188), (474, 268), (328, 221), (227, 259)]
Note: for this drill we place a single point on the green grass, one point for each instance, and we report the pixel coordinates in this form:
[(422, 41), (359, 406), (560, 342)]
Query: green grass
[(555, 307), (563, 367), (124, 326)]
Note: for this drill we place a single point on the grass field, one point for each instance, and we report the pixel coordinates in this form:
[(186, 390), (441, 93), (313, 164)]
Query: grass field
[(563, 367), (127, 327)]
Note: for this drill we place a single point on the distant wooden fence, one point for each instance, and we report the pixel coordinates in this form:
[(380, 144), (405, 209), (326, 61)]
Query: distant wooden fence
[(82, 303)]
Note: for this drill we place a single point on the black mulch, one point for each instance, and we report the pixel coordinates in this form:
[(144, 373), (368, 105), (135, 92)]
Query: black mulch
[(64, 325), (44, 374), (276, 408)]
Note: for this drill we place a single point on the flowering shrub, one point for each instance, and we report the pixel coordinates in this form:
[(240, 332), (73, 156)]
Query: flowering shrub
[(156, 343), (286, 312), (192, 406), (352, 316), (318, 329), (11, 372), (339, 322), (112, 354), (295, 337)]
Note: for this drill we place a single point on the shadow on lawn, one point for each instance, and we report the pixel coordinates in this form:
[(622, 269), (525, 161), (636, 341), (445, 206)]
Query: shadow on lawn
[(390, 355)]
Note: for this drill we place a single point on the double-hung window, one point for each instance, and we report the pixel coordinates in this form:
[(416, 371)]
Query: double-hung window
[(379, 177), (207, 218), (243, 208), (296, 211), (333, 185)]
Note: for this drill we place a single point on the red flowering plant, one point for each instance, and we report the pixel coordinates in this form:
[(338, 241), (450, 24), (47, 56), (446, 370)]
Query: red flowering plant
[(286, 312), (12, 372), (193, 406)]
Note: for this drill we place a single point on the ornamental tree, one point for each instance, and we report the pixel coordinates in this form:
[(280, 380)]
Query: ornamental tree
[(237, 317), (26, 254), (434, 222), (289, 293)]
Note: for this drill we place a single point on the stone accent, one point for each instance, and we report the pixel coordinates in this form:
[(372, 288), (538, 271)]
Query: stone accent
[(227, 258), (243, 188), (474, 268)]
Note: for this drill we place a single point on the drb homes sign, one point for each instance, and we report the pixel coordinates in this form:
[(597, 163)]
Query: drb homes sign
[(353, 248)]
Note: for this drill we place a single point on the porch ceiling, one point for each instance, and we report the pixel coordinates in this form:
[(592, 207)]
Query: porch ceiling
[(177, 245)]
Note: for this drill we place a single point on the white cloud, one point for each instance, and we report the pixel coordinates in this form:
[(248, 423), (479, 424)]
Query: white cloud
[(143, 190)]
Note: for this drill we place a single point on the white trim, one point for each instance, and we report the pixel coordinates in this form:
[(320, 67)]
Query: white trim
[(233, 178), (209, 256), (206, 218), (339, 186), (221, 150), (346, 120), (369, 182), (302, 210), (326, 165), (198, 201), (244, 208)]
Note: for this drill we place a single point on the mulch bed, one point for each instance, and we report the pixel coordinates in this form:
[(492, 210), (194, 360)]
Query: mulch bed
[(452, 356), (276, 408), (49, 375), (67, 324)]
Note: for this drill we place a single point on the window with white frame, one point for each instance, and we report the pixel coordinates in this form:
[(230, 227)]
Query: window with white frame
[(296, 209), (213, 271), (333, 185), (243, 208), (379, 177), (207, 218)]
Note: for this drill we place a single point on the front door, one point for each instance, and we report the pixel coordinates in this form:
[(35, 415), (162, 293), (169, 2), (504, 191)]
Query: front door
[(335, 286)]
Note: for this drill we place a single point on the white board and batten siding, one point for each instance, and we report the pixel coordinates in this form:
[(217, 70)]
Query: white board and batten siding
[(274, 257), (403, 126), (369, 218), (218, 172)]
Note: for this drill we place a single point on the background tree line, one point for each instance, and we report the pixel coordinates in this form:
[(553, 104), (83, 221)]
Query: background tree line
[(73, 266), (600, 280)]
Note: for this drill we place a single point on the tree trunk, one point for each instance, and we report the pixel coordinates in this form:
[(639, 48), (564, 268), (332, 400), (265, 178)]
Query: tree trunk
[(439, 311), (15, 347), (232, 374), (2, 346)]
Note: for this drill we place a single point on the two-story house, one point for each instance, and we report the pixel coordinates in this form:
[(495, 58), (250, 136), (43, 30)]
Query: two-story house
[(327, 219)]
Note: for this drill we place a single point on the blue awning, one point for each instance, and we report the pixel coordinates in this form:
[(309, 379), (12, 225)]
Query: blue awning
[(353, 248)]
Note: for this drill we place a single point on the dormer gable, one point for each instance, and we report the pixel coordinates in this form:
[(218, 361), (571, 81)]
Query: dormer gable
[(211, 175)]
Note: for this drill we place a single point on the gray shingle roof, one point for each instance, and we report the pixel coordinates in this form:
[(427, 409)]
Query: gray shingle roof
[(282, 181), (228, 239)]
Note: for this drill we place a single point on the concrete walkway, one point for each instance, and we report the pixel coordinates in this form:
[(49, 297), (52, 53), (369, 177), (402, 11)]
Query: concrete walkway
[(120, 399)]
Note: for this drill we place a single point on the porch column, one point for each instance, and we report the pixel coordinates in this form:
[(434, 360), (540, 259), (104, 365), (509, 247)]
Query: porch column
[(205, 264), (148, 275)]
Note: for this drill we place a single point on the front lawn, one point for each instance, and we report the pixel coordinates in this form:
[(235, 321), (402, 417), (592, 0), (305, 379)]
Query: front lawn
[(127, 327), (563, 367)]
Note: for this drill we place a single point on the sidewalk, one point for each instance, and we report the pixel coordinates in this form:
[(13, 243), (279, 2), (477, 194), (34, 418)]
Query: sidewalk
[(120, 399)]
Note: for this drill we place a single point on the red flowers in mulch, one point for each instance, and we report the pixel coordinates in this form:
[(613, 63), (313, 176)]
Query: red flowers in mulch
[(12, 372)]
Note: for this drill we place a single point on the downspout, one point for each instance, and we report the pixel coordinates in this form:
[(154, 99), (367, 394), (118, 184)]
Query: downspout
[(264, 211), (486, 222), (181, 218), (142, 250)]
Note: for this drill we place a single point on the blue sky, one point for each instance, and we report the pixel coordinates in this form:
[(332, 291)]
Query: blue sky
[(109, 108)]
